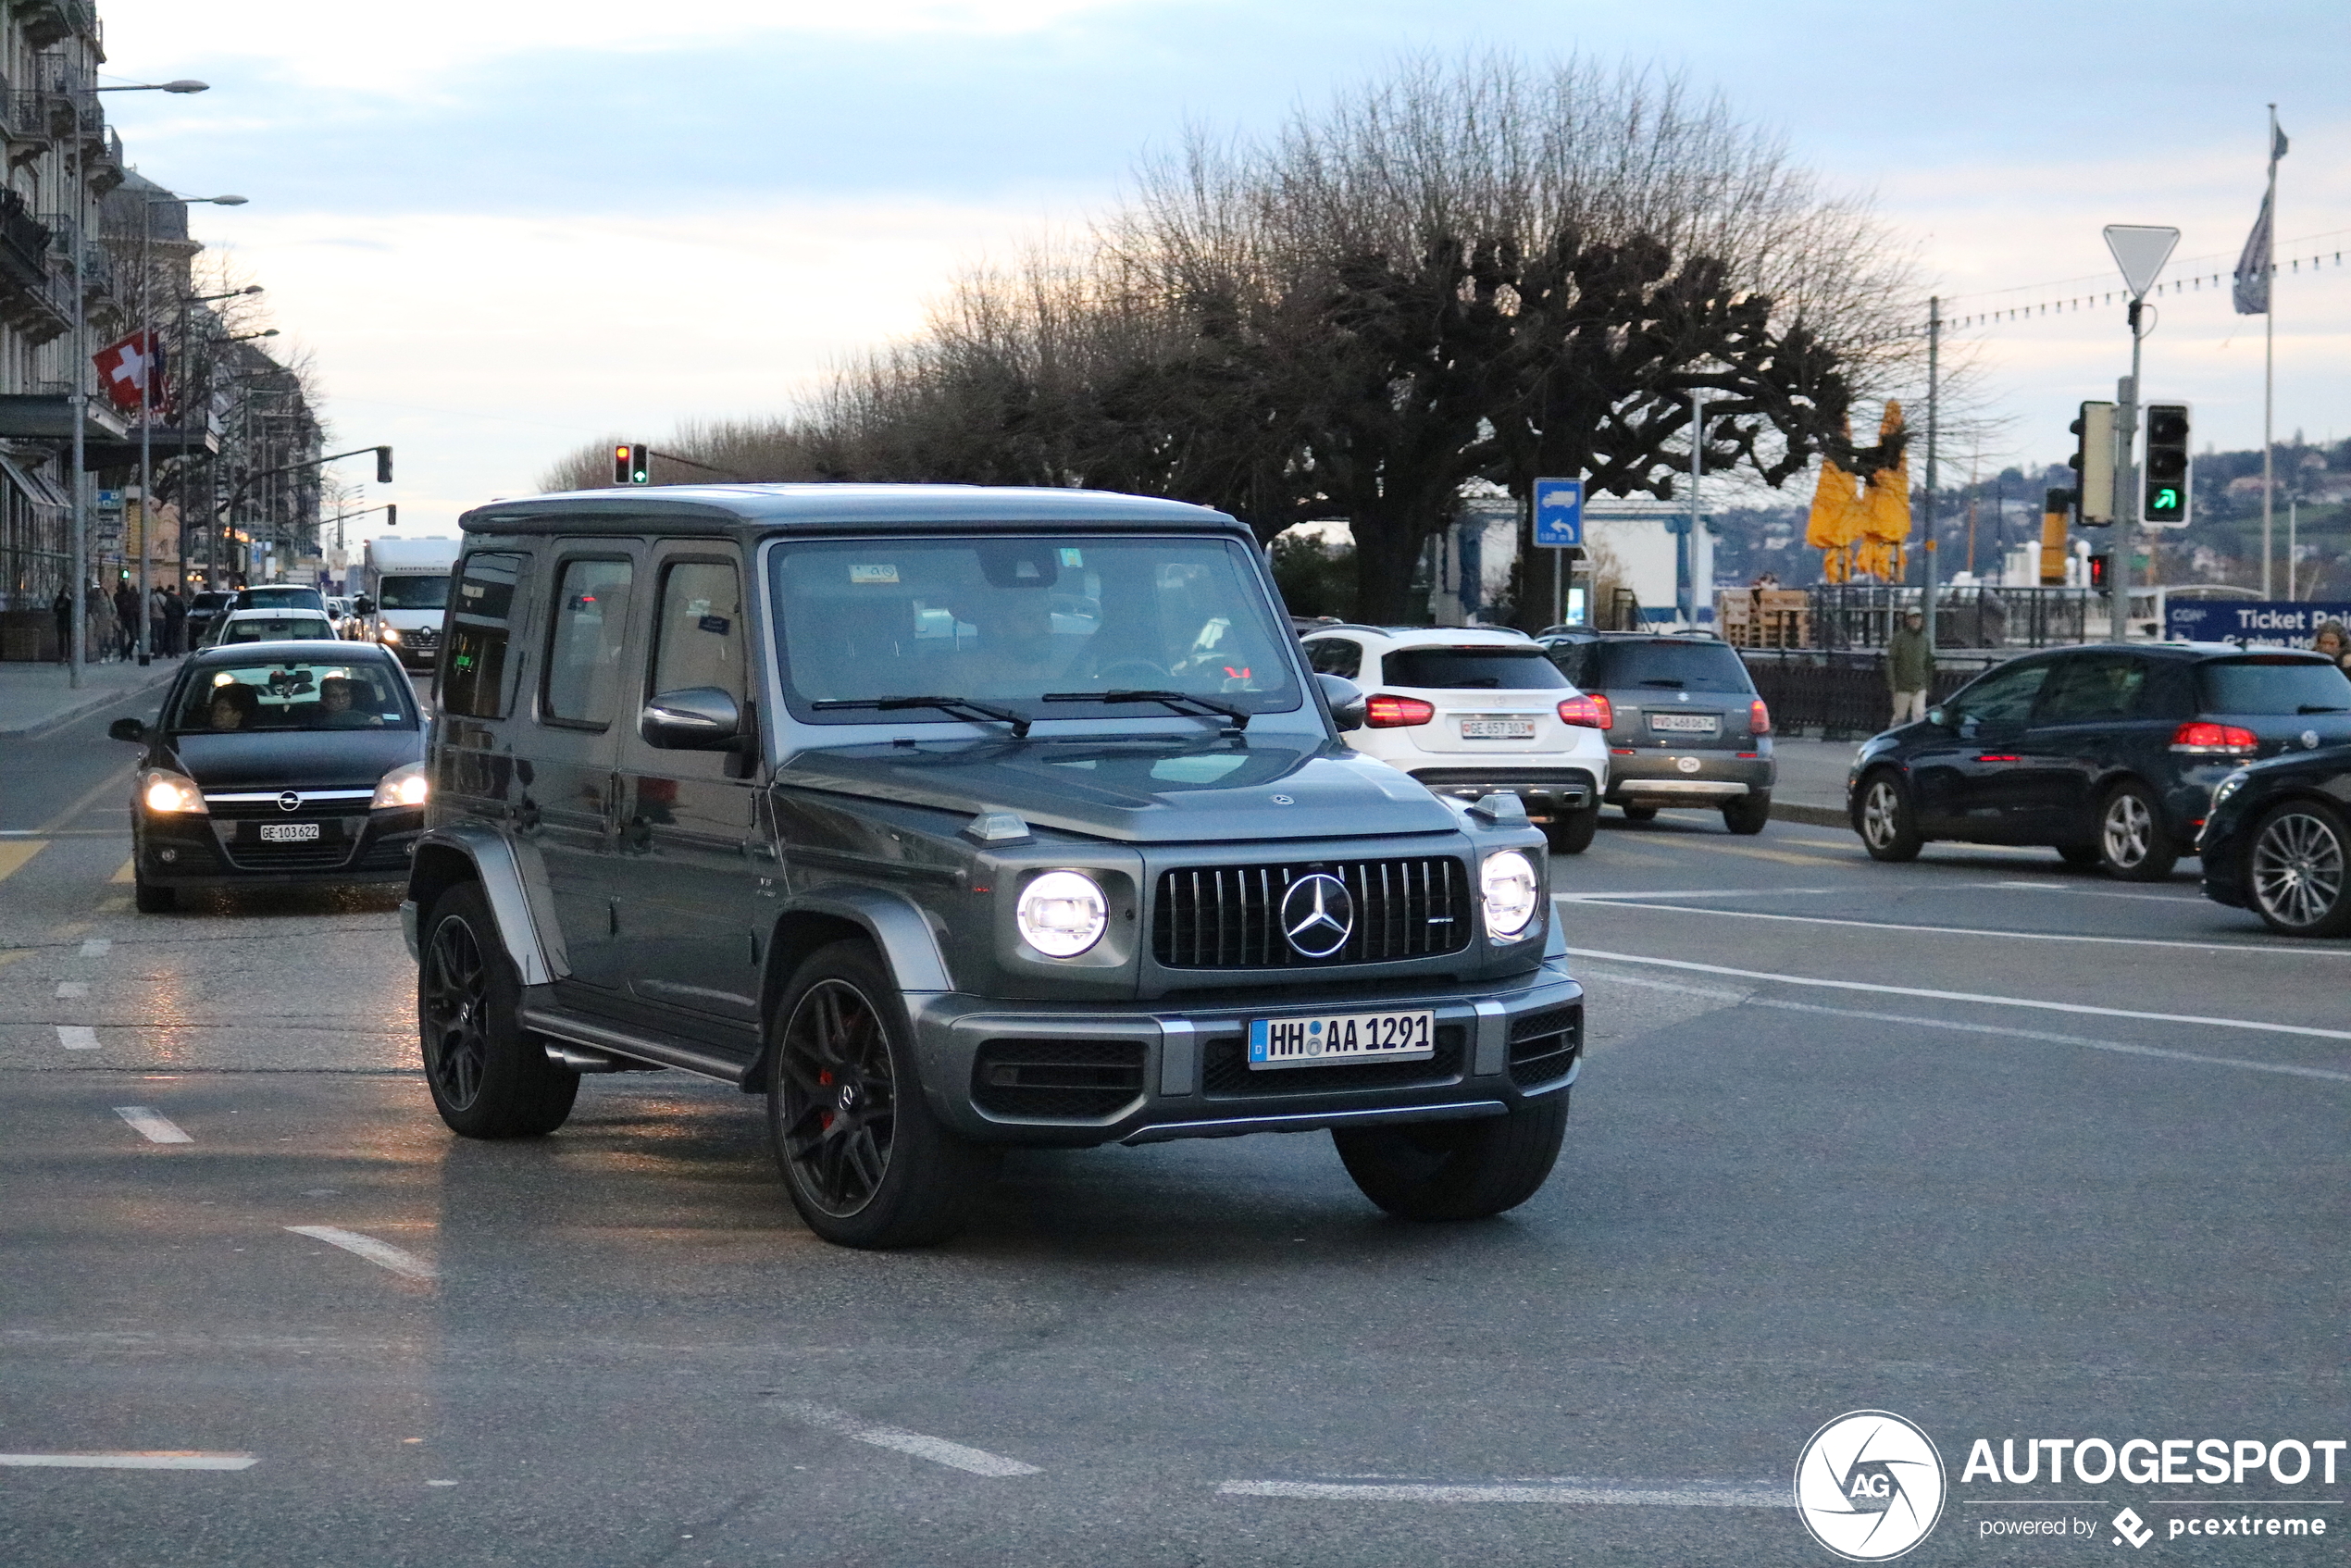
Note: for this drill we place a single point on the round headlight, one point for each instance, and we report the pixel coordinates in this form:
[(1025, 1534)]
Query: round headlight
[(1511, 893), (1062, 913), (402, 787)]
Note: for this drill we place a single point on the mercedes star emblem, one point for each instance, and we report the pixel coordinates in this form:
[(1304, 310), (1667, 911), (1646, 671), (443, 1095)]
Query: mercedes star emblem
[(1318, 916)]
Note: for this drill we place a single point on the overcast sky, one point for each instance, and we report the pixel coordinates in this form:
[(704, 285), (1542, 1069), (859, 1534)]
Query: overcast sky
[(506, 228)]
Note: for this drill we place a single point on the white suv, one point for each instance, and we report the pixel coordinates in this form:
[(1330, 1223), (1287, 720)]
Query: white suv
[(1470, 711)]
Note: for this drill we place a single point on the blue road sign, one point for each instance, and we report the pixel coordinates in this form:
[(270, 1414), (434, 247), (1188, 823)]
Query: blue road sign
[(1559, 513)]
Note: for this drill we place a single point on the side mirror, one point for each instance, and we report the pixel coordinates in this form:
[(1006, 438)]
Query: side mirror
[(696, 718), (1345, 700), (127, 729), (1938, 717), (363, 605)]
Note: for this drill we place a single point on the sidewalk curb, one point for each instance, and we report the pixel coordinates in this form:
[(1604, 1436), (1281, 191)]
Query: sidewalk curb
[(1816, 816), (100, 700)]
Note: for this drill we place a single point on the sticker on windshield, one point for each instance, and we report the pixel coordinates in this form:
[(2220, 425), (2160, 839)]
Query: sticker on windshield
[(1072, 556), (872, 574)]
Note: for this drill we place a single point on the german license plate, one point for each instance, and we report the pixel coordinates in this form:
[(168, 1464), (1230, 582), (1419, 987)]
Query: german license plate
[(1497, 729), (1341, 1038), (1683, 723), (288, 832)]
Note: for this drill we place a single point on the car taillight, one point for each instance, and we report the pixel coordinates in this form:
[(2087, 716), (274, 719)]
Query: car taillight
[(1759, 718), (1592, 713), (2201, 737), (1386, 712)]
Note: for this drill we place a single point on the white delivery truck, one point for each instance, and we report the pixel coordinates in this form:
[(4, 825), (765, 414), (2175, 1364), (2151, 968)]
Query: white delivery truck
[(404, 590)]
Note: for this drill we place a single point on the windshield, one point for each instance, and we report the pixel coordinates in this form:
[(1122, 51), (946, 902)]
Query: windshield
[(1663, 665), (293, 695), (274, 628), (1009, 620), (287, 597), (412, 593), (1470, 669), (2273, 685)]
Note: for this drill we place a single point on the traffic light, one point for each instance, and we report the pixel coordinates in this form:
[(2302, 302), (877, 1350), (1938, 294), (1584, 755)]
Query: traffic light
[(2101, 567), (620, 464), (2164, 497), (2093, 465), (631, 464), (391, 516), (384, 465)]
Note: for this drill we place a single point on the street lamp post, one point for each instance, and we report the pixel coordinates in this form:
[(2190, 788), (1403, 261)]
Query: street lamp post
[(80, 400), (212, 540)]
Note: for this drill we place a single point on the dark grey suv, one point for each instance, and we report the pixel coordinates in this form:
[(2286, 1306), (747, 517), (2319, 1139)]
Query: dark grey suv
[(956, 818), (1685, 726)]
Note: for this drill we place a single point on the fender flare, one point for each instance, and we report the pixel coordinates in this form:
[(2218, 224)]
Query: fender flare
[(909, 947), (513, 883)]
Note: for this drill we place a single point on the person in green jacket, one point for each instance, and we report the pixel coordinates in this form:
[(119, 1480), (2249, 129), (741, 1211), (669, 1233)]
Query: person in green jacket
[(1909, 666)]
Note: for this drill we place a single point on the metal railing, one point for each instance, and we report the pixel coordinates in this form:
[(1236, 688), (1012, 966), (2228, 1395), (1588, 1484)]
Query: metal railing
[(1863, 615), (1841, 695)]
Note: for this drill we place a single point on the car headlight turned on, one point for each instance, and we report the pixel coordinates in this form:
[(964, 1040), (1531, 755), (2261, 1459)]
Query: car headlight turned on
[(389, 634), (401, 786), (1512, 894), (166, 793), (2230, 786), (1062, 913)]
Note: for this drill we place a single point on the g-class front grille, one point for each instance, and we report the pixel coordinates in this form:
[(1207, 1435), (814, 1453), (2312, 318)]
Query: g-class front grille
[(1231, 916), (1058, 1079)]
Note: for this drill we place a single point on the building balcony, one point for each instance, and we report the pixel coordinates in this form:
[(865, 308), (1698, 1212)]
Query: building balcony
[(52, 21)]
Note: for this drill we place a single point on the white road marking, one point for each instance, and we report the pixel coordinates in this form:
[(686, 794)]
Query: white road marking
[(1699, 893), (155, 1461), (77, 1037), (2100, 892), (97, 947), (2302, 951), (72, 991), (381, 1253), (1965, 996), (938, 1450), (2124, 1048), (1567, 1492), (154, 1124)]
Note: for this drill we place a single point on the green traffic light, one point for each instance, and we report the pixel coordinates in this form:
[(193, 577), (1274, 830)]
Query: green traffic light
[(2163, 502)]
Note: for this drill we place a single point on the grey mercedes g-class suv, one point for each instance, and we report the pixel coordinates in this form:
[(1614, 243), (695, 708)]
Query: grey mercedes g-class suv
[(952, 818)]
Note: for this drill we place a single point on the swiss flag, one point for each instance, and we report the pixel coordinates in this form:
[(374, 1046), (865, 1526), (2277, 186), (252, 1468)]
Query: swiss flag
[(130, 365)]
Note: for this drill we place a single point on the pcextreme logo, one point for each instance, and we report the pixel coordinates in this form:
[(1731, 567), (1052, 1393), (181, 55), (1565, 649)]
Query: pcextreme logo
[(1869, 1486)]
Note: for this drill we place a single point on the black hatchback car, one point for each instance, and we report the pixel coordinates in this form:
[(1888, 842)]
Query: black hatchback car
[(277, 762), (2110, 753), (1685, 725), (2279, 843)]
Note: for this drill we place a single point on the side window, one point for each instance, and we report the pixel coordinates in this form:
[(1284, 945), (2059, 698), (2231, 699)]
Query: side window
[(1335, 655), (584, 648), (2093, 686), (477, 669), (698, 639), (2002, 698)]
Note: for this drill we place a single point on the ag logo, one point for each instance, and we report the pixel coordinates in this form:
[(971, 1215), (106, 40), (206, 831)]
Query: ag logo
[(1869, 1486)]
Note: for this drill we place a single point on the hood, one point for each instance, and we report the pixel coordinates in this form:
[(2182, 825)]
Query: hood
[(300, 759), (1148, 791)]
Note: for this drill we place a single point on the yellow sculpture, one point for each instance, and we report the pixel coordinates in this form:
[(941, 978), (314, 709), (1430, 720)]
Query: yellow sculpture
[(1863, 531)]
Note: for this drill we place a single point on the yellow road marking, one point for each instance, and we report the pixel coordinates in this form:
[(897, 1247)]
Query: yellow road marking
[(14, 853), (71, 929), (113, 905), (83, 802), (127, 873)]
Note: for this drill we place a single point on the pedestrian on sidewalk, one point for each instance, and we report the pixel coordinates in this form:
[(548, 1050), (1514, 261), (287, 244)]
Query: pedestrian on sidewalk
[(175, 622), (62, 607), (157, 614), (126, 614), (2332, 641), (1910, 667)]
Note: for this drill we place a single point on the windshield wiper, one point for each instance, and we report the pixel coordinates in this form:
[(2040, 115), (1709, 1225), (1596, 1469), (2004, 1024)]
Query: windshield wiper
[(1238, 716), (944, 705)]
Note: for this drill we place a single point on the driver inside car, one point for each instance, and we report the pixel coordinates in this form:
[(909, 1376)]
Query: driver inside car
[(336, 697)]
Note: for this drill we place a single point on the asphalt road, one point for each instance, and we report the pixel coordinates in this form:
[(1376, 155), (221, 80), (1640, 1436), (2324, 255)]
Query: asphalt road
[(2012, 1151)]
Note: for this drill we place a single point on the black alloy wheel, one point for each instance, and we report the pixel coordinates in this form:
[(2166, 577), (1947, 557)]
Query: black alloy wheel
[(1886, 820), (841, 1097), (488, 1078), (2300, 871), (2132, 844)]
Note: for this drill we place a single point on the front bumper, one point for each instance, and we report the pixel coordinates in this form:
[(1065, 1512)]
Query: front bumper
[(1546, 792), (1082, 1075), (197, 851), (1659, 776)]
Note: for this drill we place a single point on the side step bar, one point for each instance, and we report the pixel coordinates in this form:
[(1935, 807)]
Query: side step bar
[(576, 1044)]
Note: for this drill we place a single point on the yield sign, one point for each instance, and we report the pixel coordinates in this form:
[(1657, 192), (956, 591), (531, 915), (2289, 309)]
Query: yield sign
[(2140, 250)]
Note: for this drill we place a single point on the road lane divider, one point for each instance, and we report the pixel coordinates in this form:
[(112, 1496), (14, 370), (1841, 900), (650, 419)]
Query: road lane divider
[(1702, 893), (126, 874), (2305, 1030), (1569, 1492), (938, 1450), (97, 947), (152, 1125), (77, 1037), (14, 853), (160, 1458), (2304, 950), (383, 1254)]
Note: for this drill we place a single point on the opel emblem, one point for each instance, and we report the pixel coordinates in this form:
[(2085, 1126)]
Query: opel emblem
[(2309, 740), (289, 801), (1282, 801), (1318, 916)]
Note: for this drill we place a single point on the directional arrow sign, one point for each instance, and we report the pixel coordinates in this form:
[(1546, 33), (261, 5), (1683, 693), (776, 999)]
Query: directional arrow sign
[(2140, 250), (1559, 513)]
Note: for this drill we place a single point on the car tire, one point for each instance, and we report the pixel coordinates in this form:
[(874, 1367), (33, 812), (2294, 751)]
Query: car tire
[(1748, 814), (1573, 832), (488, 1077), (866, 1162), (1457, 1170), (1885, 818), (2133, 844), (149, 898), (1639, 812), (2297, 874)]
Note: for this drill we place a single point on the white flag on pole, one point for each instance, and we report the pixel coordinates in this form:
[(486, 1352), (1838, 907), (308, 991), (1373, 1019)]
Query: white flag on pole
[(2257, 262)]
